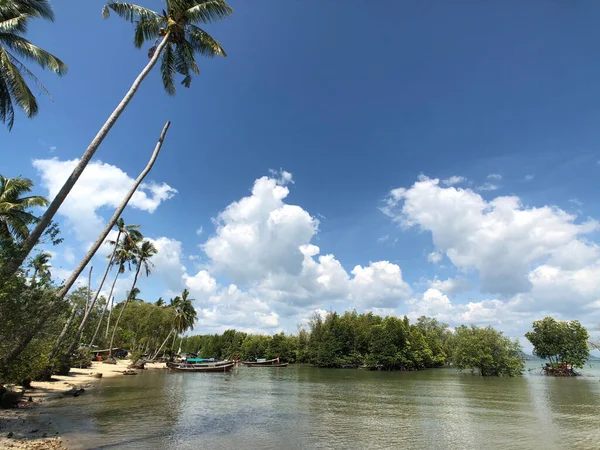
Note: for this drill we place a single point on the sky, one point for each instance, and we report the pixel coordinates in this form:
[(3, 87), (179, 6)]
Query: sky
[(402, 159)]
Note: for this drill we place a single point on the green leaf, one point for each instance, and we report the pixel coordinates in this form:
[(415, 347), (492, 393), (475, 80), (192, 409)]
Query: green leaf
[(204, 43), (207, 11), (167, 69), (130, 12), (26, 49), (147, 29)]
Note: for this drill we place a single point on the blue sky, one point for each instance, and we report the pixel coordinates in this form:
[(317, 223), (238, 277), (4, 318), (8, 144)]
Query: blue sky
[(355, 102)]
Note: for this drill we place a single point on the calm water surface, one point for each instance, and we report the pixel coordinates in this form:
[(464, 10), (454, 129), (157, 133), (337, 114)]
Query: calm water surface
[(303, 407)]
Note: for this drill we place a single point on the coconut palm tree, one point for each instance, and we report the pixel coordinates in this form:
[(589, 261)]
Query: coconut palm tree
[(143, 253), (175, 33), (40, 265), (14, 91), (14, 218)]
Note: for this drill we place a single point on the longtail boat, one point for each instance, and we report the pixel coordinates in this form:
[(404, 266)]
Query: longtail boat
[(265, 363), (222, 366)]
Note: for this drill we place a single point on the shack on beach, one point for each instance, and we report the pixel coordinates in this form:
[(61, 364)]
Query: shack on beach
[(117, 352)]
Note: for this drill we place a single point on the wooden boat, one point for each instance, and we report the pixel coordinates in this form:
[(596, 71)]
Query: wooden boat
[(222, 366), (265, 363)]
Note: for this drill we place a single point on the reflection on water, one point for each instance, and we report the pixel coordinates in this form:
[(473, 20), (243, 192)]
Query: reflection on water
[(304, 407)]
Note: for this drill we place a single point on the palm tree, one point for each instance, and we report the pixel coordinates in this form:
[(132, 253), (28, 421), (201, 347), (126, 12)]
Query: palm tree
[(130, 233), (14, 218), (40, 265), (14, 16), (185, 315), (180, 39), (160, 302), (122, 229), (143, 253)]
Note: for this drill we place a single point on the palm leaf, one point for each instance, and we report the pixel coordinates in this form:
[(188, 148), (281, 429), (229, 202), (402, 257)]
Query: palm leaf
[(19, 91), (147, 29), (26, 49), (30, 74), (207, 11), (167, 69), (31, 8), (7, 112), (204, 43), (33, 201), (17, 24), (129, 11)]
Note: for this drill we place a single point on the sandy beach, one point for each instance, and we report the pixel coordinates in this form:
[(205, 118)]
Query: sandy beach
[(27, 427)]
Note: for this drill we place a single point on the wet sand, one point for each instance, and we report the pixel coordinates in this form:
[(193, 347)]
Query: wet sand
[(27, 427)]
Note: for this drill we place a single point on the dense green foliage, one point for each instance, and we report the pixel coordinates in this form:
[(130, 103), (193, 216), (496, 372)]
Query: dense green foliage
[(560, 342), (349, 340), (488, 351), (14, 217)]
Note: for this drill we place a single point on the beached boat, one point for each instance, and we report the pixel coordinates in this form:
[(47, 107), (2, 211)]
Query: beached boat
[(221, 366), (265, 363)]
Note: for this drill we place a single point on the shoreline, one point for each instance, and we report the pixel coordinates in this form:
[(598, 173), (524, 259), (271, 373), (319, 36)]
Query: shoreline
[(23, 427)]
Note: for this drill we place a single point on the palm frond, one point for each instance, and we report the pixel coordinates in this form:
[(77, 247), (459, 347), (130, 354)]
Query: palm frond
[(30, 74), (31, 8), (7, 112), (17, 87), (204, 43), (16, 24), (207, 11), (33, 201), (26, 49), (147, 29), (167, 69), (129, 11)]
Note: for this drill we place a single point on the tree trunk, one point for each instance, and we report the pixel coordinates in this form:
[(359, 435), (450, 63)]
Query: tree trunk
[(45, 220), (110, 261), (92, 251), (173, 343), (107, 229), (64, 331), (16, 351), (163, 344), (99, 323), (112, 304), (137, 272)]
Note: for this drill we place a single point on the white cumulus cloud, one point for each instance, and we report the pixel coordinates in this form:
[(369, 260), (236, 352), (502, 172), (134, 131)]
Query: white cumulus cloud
[(100, 185)]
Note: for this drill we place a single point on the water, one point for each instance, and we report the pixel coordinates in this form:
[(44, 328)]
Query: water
[(301, 407)]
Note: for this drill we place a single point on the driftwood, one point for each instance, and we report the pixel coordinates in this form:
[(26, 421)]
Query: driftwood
[(140, 364), (129, 372)]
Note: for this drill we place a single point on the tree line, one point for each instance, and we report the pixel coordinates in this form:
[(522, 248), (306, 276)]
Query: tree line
[(353, 340)]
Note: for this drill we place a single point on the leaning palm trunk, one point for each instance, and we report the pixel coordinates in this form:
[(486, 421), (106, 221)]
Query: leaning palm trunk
[(109, 226), (21, 345), (112, 338), (45, 220), (99, 323), (112, 304), (64, 331), (90, 254), (67, 325), (173, 343), (163, 344)]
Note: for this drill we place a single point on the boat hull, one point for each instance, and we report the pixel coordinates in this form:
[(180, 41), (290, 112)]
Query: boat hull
[(255, 364), (210, 368)]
